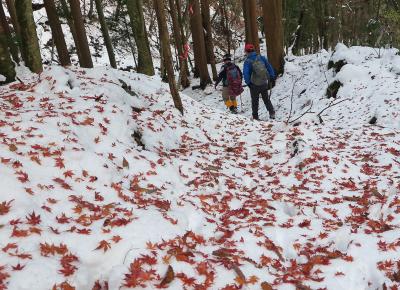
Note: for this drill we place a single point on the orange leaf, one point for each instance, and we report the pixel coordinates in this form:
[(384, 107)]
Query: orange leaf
[(252, 280), (266, 286), (88, 121)]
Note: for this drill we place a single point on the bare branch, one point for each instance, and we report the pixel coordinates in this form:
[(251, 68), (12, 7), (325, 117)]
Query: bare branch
[(291, 101), (331, 104), (306, 112)]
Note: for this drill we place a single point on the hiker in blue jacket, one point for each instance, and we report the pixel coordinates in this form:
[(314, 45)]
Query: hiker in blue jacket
[(258, 74)]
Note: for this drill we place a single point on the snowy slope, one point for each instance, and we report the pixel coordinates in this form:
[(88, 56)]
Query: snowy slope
[(104, 189)]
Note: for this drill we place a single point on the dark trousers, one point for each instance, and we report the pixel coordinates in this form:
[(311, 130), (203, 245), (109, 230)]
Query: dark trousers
[(255, 92)]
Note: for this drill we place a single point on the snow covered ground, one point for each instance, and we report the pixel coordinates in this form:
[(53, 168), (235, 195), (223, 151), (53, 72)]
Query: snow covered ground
[(105, 186)]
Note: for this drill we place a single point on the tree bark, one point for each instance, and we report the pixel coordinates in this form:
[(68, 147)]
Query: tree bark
[(10, 40), (253, 24), (56, 30), (91, 8), (145, 61), (29, 40), (118, 10), (205, 12), (6, 64), (71, 25), (199, 46), (166, 48), (274, 32), (299, 31), (184, 81), (227, 29), (14, 19), (247, 25), (184, 23), (85, 59), (106, 35)]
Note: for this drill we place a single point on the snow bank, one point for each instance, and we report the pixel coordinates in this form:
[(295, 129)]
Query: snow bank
[(105, 187)]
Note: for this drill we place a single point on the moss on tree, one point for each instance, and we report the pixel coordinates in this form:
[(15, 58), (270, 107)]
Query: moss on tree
[(29, 40)]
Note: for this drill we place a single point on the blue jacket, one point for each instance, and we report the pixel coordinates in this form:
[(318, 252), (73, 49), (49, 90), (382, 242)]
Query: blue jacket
[(247, 67)]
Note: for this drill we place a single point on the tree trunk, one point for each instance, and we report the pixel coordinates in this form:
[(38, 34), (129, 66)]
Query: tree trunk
[(56, 30), (199, 46), (29, 40), (166, 48), (104, 30), (14, 19), (299, 31), (7, 32), (163, 68), (184, 81), (91, 8), (145, 62), (67, 15), (85, 60), (184, 23), (246, 16), (6, 64), (253, 24), (274, 32), (227, 29), (205, 12)]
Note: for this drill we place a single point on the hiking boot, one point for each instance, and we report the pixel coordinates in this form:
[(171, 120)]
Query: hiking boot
[(233, 109)]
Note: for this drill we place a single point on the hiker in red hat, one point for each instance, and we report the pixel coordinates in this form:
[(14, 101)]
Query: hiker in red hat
[(231, 77), (258, 75)]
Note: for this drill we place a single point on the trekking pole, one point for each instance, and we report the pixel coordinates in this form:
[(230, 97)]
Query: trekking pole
[(241, 104)]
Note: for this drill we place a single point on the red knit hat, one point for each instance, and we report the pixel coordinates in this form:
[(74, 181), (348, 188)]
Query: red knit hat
[(249, 47)]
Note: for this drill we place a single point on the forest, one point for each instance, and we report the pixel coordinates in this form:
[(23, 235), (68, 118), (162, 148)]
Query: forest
[(199, 32)]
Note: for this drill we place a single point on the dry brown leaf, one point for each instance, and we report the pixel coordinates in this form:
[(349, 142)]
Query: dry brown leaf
[(300, 286), (266, 286), (125, 163), (12, 147), (396, 276), (169, 276), (221, 253), (239, 273)]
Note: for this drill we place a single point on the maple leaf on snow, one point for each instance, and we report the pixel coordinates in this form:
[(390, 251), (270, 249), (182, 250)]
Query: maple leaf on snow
[(22, 176), (104, 245), (5, 207), (59, 162), (88, 122), (33, 219), (18, 267), (63, 286), (62, 183)]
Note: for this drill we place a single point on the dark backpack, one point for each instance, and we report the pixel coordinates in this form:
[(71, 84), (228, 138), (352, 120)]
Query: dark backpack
[(260, 75), (233, 80)]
